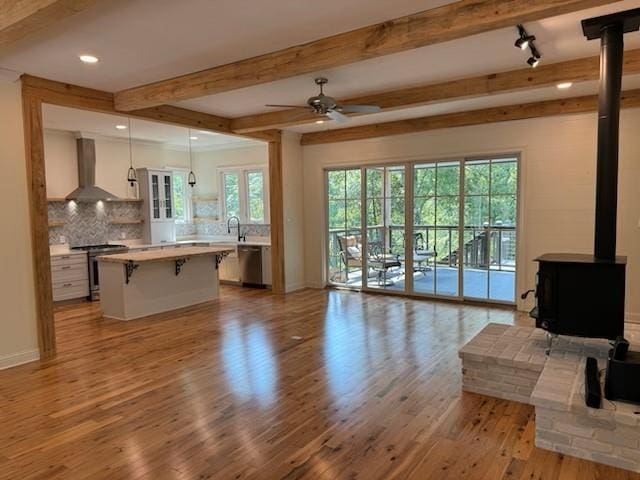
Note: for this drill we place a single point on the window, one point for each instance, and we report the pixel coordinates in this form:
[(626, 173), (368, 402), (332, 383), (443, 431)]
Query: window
[(244, 194), (181, 196)]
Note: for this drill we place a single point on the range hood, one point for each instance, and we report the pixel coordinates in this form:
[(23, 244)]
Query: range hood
[(87, 190)]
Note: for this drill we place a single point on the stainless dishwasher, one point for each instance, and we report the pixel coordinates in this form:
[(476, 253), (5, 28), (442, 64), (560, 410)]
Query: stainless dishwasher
[(250, 263)]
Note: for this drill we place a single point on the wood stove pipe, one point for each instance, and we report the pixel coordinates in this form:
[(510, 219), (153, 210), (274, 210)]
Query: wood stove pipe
[(610, 29)]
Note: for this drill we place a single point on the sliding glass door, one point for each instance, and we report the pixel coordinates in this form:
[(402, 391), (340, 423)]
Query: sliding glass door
[(344, 211), (436, 207), (385, 203), (490, 215), (440, 229)]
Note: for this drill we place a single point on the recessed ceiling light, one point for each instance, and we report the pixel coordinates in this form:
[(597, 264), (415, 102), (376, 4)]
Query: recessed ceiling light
[(121, 127), (564, 85), (319, 121), (89, 59), (193, 138)]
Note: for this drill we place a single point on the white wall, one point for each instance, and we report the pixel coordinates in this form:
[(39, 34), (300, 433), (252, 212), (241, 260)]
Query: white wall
[(293, 201), (18, 333), (557, 185), (112, 162), (207, 163)]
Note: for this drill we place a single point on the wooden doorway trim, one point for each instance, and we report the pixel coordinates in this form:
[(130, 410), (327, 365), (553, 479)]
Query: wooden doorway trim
[(277, 215), (38, 91), (36, 180)]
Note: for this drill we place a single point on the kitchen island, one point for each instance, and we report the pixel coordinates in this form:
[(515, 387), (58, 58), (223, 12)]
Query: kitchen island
[(138, 284)]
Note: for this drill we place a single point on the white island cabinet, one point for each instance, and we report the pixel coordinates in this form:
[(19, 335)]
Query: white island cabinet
[(138, 284)]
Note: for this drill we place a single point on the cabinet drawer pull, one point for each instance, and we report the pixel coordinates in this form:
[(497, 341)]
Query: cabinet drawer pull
[(67, 267), (68, 285), (65, 257)]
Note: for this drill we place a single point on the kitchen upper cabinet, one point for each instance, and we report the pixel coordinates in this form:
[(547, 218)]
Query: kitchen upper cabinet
[(161, 195), (156, 190)]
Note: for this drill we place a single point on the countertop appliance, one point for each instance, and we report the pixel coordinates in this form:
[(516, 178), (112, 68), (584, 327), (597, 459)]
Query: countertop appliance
[(250, 263), (93, 252)]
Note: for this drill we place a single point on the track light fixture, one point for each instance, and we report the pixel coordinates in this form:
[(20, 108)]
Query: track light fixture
[(525, 41), (533, 61)]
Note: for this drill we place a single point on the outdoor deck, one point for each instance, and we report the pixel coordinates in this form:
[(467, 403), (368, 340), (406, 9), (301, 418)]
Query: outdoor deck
[(444, 281)]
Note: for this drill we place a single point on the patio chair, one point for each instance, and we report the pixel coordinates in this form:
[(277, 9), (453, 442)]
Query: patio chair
[(421, 254), (382, 262), (350, 252)]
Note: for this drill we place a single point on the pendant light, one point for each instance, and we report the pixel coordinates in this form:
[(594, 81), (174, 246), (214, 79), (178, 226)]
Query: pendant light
[(191, 178), (131, 173)]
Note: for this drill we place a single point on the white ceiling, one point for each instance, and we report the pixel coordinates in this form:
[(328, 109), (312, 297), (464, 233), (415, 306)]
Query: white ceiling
[(140, 41), (515, 98), (104, 125)]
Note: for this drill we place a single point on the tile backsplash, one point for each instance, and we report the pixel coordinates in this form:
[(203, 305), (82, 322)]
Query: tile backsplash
[(93, 223), (87, 223), (206, 216)]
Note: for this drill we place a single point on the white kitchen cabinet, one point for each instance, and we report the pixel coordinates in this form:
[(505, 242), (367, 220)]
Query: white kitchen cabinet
[(229, 270), (156, 190), (69, 276), (266, 265)]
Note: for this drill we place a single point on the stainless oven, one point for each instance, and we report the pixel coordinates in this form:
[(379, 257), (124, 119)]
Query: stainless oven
[(93, 252)]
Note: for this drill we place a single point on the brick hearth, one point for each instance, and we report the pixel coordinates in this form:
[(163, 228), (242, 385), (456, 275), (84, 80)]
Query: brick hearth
[(510, 362)]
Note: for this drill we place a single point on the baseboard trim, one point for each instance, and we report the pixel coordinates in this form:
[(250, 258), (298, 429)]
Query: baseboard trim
[(15, 359), (316, 285), (295, 287), (632, 317)]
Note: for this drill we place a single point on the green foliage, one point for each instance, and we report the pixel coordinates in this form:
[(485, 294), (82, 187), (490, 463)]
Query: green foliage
[(231, 194), (490, 188), (255, 191), (179, 195)]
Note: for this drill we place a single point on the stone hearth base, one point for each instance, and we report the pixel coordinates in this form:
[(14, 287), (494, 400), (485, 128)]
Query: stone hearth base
[(509, 362)]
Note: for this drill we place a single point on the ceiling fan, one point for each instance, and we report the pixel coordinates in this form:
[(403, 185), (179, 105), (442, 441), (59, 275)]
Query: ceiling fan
[(327, 106)]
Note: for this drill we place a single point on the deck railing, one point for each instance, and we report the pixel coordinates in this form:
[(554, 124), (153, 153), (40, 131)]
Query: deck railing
[(484, 247)]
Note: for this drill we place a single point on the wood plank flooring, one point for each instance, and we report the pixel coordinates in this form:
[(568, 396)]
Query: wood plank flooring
[(313, 385)]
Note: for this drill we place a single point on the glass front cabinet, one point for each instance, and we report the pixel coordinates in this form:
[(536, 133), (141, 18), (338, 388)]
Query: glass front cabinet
[(156, 191)]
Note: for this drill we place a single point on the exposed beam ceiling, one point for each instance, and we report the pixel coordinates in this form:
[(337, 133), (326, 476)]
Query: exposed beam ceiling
[(579, 70), (457, 20), (20, 18), (58, 93), (584, 104)]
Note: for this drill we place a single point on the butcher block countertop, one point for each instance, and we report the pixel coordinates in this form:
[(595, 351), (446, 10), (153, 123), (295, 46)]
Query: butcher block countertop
[(164, 255)]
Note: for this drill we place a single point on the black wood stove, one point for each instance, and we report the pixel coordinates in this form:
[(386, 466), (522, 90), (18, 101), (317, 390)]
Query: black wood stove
[(583, 295)]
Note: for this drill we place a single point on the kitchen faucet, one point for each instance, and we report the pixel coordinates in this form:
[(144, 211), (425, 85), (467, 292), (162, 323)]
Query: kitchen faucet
[(240, 237)]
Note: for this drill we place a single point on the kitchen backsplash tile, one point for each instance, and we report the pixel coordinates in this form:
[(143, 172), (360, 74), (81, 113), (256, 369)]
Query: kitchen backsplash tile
[(186, 229), (220, 228), (205, 208), (86, 223), (91, 223)]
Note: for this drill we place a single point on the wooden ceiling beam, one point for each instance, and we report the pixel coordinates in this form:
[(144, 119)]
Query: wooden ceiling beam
[(18, 19), (583, 104), (68, 95), (579, 70), (449, 22)]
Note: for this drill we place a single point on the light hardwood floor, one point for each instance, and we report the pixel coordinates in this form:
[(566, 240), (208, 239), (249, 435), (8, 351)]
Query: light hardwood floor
[(370, 390)]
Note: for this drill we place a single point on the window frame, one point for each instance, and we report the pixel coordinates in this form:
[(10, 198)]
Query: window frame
[(243, 194), (188, 194)]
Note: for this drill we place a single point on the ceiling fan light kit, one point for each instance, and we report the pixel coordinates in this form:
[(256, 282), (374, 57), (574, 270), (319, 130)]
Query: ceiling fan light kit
[(328, 107)]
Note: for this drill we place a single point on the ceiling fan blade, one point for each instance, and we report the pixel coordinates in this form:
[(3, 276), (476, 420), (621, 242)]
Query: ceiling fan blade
[(337, 116), (288, 106), (359, 108)]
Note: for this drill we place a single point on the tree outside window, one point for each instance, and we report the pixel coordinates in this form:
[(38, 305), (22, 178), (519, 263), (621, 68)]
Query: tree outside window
[(245, 195)]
